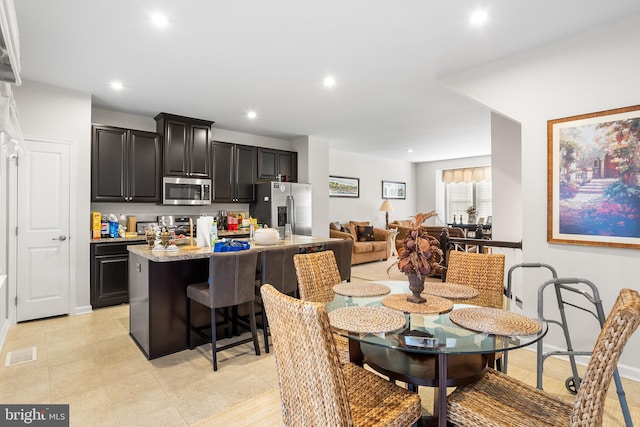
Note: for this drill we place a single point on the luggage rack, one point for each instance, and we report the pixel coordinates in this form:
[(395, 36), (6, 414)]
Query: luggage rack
[(586, 289)]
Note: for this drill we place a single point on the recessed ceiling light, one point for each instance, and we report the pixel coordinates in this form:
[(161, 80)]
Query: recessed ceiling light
[(116, 85), (479, 17), (409, 150), (251, 114), (159, 20), (329, 81)]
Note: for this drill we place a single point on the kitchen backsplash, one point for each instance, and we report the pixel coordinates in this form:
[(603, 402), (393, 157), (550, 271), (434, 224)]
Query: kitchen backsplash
[(149, 211)]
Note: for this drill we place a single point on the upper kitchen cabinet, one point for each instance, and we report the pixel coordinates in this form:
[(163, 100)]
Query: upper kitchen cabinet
[(234, 172), (125, 165), (186, 145), (272, 163)]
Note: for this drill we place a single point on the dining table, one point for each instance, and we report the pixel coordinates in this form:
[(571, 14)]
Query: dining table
[(456, 327)]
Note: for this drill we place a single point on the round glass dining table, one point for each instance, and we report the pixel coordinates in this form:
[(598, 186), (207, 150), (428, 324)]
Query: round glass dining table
[(431, 338)]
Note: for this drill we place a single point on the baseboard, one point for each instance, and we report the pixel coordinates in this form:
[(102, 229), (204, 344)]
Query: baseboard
[(625, 371), (83, 310)]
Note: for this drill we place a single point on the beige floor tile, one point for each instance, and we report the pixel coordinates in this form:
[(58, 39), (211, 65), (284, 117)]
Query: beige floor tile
[(141, 385), (91, 362)]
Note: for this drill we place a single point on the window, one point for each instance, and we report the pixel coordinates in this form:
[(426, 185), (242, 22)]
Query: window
[(464, 188)]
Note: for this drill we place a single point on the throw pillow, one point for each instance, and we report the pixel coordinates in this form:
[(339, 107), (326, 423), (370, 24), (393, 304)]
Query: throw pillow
[(365, 233), (345, 229), (334, 226), (353, 226)]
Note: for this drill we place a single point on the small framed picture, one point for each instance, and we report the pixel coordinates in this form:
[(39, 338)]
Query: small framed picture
[(342, 186), (481, 220), (394, 190)]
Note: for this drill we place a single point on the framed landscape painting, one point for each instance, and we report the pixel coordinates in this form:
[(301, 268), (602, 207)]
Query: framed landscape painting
[(594, 179), (394, 190), (342, 186)]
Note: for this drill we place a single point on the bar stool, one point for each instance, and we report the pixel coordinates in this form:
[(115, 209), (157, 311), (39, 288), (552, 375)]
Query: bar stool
[(277, 269), (231, 284)]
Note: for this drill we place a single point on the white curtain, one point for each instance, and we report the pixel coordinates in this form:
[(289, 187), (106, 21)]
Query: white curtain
[(455, 176)]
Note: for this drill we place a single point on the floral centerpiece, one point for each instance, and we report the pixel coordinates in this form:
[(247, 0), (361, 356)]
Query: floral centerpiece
[(472, 212), (418, 256)]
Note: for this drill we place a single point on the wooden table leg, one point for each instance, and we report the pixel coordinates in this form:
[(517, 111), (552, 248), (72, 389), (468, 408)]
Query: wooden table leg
[(355, 352)]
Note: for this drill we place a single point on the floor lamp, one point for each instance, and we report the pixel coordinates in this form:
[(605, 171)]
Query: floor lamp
[(386, 208)]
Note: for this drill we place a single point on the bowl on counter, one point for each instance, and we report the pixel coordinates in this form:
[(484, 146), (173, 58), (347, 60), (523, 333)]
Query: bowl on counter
[(266, 236)]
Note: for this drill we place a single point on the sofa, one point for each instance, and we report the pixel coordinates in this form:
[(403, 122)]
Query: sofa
[(369, 243)]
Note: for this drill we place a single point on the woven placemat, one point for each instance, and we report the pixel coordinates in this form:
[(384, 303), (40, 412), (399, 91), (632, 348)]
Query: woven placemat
[(434, 305), (449, 290), (364, 289), (494, 321), (364, 319)]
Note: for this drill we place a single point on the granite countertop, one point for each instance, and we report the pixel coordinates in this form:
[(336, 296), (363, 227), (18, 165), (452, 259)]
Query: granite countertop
[(139, 238), (186, 254)]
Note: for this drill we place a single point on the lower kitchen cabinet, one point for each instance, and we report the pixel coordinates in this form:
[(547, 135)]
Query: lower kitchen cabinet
[(109, 274)]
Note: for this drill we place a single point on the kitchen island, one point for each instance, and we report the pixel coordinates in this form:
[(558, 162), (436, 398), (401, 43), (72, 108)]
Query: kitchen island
[(157, 293)]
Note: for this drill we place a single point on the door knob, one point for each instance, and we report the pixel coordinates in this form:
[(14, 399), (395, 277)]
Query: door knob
[(61, 238)]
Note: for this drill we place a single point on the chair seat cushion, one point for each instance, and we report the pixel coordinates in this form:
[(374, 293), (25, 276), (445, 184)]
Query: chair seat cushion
[(199, 292), (375, 401), (500, 400)]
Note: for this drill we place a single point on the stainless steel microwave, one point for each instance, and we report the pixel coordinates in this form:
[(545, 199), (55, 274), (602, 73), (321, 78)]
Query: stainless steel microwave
[(186, 191)]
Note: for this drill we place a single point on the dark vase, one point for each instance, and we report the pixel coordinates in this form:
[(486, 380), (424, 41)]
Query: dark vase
[(416, 285)]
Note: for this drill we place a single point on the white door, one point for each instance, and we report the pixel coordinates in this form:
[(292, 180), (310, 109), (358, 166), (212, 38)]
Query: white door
[(43, 230)]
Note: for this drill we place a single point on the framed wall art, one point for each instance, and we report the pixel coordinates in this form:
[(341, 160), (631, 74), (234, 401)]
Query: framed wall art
[(394, 190), (594, 179), (342, 186)]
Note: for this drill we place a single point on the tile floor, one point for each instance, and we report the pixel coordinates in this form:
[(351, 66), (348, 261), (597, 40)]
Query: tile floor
[(90, 362)]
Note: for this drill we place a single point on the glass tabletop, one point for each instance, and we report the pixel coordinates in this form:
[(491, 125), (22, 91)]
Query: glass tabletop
[(436, 333)]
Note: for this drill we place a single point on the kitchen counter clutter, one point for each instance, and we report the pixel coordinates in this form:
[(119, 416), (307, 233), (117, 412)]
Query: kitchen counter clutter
[(157, 292), (182, 255)]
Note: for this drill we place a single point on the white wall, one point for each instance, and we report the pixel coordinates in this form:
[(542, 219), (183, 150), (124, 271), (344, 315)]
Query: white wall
[(47, 112), (593, 71), (506, 179), (371, 171)]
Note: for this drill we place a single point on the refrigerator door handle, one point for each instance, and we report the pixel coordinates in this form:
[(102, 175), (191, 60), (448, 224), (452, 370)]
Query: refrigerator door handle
[(291, 213)]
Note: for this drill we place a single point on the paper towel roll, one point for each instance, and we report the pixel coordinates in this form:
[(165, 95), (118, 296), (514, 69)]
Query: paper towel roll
[(203, 234)]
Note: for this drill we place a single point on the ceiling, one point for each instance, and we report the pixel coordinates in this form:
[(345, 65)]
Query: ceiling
[(216, 60)]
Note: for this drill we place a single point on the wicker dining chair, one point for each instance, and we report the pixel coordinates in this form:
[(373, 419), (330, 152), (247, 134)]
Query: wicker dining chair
[(484, 272), (317, 274), (499, 400), (315, 388)]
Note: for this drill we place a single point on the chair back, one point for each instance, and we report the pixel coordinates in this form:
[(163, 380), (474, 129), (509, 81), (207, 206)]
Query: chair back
[(485, 272), (312, 385), (317, 275), (342, 249), (622, 321), (278, 270), (232, 278)]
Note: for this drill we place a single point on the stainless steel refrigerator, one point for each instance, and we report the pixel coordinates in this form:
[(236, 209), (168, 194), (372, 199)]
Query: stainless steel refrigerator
[(280, 203)]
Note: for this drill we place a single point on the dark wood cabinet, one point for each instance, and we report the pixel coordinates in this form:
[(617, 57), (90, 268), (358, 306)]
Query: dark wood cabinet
[(234, 172), (125, 165), (272, 163), (109, 274), (186, 145)]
